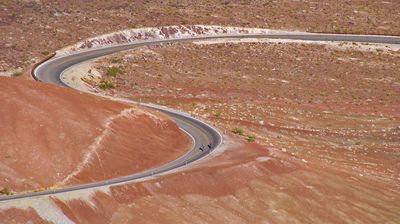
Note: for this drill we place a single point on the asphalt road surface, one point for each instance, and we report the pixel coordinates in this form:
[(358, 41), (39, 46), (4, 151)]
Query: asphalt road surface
[(201, 133)]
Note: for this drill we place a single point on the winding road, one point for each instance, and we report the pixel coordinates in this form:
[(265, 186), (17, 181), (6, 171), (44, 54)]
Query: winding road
[(201, 133)]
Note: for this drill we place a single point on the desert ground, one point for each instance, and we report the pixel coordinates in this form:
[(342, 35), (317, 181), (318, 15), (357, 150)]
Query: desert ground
[(312, 101), (32, 29), (311, 130)]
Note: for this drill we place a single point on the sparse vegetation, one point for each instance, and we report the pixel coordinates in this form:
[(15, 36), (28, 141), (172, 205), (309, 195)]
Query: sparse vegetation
[(104, 85), (45, 53), (115, 60), (218, 114), (17, 73), (238, 131), (251, 138), (5, 191), (114, 71)]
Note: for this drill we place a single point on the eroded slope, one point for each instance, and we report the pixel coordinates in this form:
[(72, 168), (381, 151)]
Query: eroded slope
[(52, 136)]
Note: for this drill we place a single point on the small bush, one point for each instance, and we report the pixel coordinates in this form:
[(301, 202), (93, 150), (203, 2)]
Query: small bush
[(5, 191), (251, 138), (104, 85), (238, 131), (17, 73), (218, 114), (45, 53), (115, 60), (114, 71)]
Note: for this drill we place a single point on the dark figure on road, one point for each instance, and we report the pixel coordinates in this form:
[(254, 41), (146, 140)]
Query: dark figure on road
[(209, 145), (202, 148)]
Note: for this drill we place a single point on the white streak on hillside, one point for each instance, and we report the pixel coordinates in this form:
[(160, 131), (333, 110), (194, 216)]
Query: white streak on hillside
[(96, 145)]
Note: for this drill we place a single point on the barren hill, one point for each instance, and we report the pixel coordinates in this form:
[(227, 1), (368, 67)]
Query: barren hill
[(52, 136)]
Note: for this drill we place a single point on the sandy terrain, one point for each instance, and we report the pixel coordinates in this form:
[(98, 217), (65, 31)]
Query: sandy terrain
[(327, 136), (53, 136), (300, 98), (325, 119), (332, 108), (81, 76)]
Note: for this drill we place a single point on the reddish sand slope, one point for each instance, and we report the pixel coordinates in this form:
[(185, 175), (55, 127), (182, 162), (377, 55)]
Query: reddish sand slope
[(55, 136), (245, 184)]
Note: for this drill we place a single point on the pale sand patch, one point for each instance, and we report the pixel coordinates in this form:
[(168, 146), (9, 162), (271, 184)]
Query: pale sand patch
[(44, 207), (263, 159), (11, 72), (80, 75)]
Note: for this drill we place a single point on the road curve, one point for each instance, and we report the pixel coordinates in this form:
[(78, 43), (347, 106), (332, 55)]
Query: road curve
[(201, 132)]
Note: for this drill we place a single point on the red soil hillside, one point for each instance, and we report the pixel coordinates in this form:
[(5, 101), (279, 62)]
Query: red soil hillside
[(246, 183), (53, 136)]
